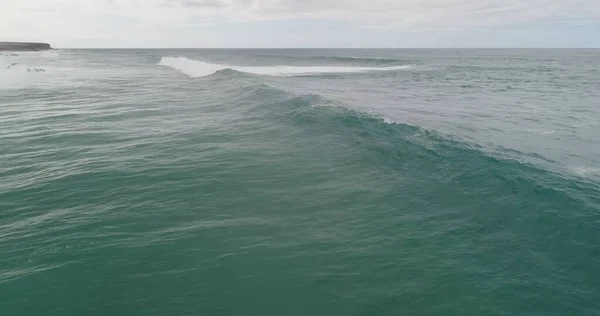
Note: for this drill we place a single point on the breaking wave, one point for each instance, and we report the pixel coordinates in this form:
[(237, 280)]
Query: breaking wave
[(195, 68)]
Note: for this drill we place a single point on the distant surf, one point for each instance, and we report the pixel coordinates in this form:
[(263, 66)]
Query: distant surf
[(196, 68)]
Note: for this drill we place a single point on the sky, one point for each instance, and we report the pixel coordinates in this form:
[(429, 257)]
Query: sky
[(302, 23)]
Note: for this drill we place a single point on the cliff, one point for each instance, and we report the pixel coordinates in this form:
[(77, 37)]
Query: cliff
[(15, 46)]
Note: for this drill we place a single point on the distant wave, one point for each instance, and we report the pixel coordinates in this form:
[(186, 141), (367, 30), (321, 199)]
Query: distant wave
[(362, 60), (343, 59), (50, 54), (195, 68)]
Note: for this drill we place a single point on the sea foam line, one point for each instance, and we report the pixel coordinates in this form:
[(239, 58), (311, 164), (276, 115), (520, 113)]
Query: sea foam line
[(195, 68)]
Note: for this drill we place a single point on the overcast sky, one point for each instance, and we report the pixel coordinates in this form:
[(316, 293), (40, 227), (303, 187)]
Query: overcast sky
[(303, 23)]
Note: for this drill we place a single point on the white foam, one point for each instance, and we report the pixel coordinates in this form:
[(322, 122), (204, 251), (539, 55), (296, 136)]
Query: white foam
[(388, 120), (539, 131), (585, 171), (195, 68)]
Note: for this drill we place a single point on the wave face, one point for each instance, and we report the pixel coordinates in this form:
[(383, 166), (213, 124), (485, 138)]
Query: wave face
[(244, 191), (195, 68)]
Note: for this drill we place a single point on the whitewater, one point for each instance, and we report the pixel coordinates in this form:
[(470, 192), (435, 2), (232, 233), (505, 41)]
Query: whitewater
[(195, 68)]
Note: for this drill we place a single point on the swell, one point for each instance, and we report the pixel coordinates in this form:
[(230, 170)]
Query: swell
[(362, 60), (350, 60), (404, 191), (512, 213), (502, 206), (402, 147)]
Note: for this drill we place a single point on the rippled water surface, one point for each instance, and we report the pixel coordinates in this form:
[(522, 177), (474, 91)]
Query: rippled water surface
[(300, 182)]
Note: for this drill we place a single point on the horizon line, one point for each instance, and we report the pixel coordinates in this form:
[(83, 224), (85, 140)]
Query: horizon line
[(158, 48)]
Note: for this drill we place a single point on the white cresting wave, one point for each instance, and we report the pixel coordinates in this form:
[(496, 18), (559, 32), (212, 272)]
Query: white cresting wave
[(195, 68)]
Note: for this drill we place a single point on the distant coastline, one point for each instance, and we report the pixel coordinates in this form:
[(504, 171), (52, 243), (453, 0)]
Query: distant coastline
[(23, 46)]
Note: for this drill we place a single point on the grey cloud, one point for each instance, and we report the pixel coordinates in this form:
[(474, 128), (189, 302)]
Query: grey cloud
[(68, 16), (409, 10), (202, 3)]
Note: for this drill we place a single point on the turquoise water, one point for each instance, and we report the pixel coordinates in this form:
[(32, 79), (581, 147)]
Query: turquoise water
[(300, 182)]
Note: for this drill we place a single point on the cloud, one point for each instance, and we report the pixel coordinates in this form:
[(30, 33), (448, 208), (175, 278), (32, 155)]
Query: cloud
[(410, 13), (73, 18)]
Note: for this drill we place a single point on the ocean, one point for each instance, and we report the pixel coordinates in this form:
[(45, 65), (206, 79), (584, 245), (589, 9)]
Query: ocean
[(300, 182)]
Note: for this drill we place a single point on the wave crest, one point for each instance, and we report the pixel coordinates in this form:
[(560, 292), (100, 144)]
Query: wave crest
[(362, 60), (196, 68)]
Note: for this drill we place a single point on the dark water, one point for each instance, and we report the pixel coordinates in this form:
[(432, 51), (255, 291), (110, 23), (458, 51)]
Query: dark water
[(300, 182)]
